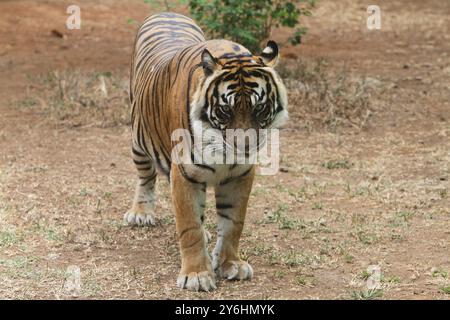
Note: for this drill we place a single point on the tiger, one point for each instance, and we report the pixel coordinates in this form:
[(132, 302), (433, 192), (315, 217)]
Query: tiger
[(179, 79)]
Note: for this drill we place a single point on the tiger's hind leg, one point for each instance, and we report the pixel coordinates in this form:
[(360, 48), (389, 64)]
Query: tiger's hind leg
[(142, 210)]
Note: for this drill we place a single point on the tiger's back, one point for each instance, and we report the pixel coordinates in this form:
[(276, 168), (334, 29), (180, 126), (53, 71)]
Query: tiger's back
[(162, 41), (159, 38)]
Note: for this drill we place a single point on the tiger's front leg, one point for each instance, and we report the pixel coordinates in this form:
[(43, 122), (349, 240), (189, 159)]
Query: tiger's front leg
[(231, 204), (189, 203)]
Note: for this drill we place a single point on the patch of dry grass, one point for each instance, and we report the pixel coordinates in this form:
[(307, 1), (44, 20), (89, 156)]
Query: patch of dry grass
[(73, 98), (321, 96)]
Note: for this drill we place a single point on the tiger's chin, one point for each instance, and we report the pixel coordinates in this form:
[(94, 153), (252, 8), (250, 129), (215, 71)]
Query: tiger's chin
[(214, 147)]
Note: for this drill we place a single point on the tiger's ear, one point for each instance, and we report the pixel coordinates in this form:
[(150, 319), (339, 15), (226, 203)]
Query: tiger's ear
[(209, 63), (270, 55)]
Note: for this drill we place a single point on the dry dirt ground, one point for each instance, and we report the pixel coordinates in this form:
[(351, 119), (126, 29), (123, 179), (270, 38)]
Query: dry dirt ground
[(345, 200)]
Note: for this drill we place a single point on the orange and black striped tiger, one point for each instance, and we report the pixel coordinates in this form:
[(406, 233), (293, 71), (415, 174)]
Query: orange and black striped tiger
[(180, 80)]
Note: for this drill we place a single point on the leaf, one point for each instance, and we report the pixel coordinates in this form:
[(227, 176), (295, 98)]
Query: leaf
[(249, 22)]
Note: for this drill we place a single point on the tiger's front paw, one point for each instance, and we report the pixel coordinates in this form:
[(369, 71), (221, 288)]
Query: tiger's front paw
[(235, 270), (135, 217), (195, 281)]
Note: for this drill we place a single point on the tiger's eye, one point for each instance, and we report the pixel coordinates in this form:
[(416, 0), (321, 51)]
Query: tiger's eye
[(225, 108), (259, 107)]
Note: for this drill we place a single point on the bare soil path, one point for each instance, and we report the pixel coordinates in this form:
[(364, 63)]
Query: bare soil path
[(344, 201)]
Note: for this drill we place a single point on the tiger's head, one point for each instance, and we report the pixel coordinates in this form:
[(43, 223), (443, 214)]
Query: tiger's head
[(240, 91)]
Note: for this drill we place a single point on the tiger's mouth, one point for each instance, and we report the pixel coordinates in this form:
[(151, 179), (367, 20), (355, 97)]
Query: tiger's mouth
[(238, 143), (248, 149)]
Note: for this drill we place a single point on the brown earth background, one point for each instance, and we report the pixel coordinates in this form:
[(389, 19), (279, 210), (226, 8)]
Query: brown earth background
[(346, 199)]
